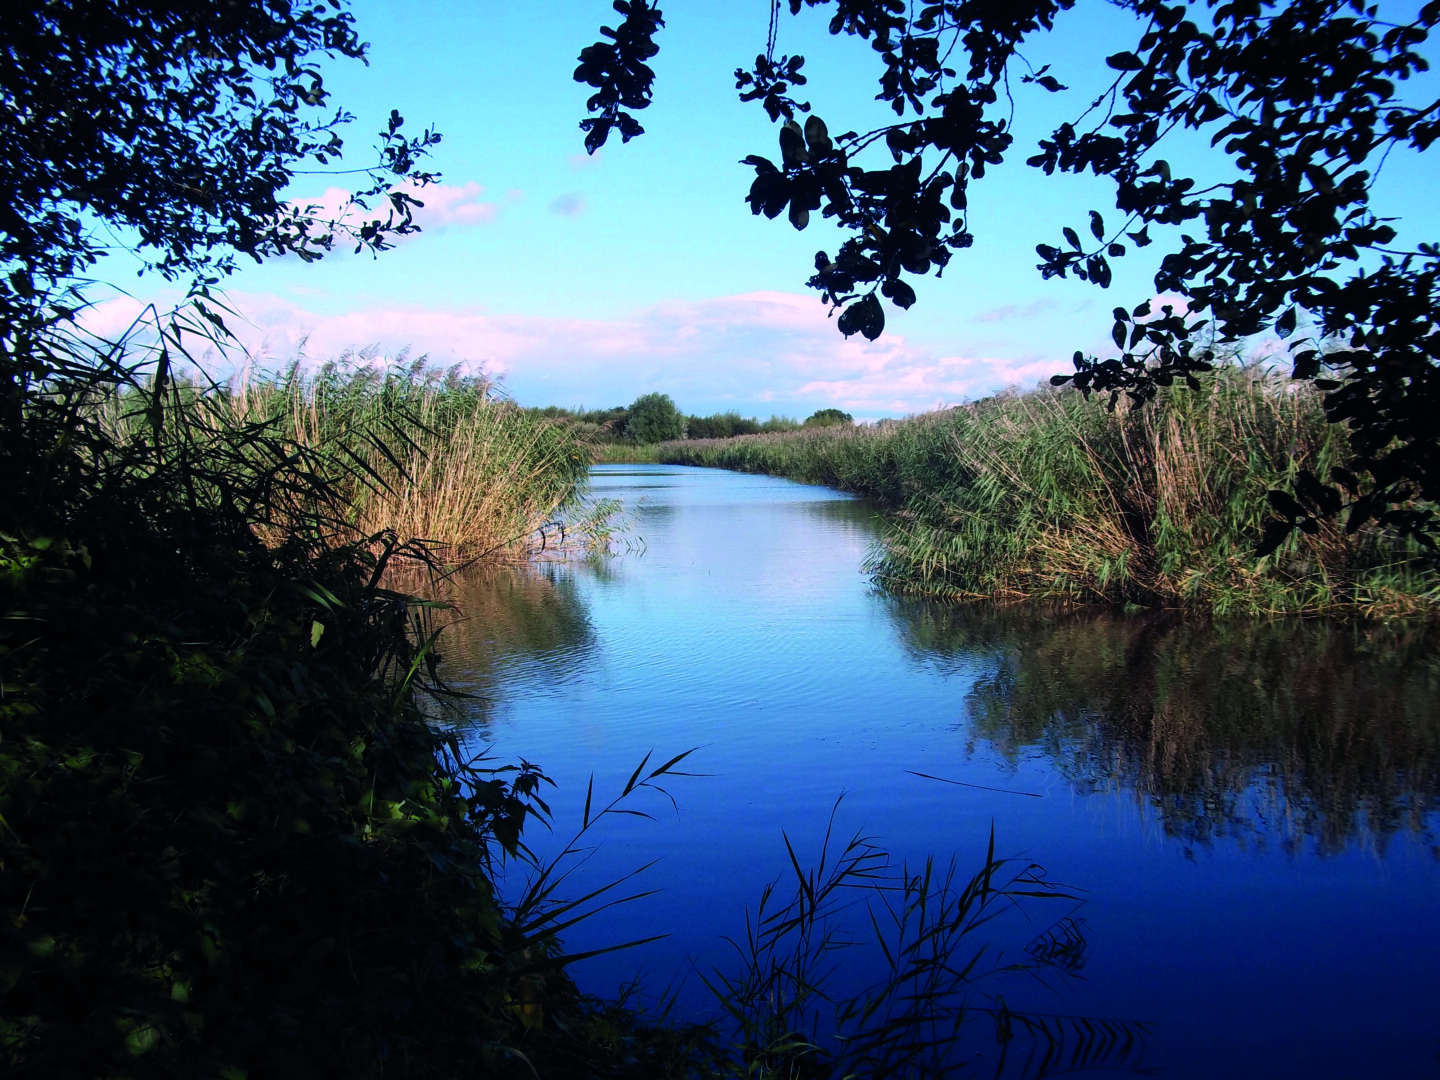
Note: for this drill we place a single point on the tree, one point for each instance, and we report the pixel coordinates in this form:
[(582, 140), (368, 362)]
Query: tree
[(1301, 99), (828, 418), (654, 418), (724, 425), (179, 125)]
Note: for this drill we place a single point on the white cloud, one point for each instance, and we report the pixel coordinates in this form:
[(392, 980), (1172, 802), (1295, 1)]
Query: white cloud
[(759, 352), (449, 205), (445, 206)]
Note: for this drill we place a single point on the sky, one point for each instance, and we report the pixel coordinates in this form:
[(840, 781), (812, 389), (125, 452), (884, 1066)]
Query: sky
[(587, 281)]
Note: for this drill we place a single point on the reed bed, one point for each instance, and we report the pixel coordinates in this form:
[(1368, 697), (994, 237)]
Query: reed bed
[(1045, 494), (620, 453), (428, 454)]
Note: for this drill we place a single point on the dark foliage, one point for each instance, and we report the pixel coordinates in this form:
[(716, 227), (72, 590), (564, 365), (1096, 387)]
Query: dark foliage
[(720, 426), (828, 418), (617, 69), (230, 844), (1302, 100), (653, 418), (181, 124), (225, 845)]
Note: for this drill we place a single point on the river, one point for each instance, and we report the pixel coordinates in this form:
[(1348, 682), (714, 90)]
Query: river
[(1249, 809)]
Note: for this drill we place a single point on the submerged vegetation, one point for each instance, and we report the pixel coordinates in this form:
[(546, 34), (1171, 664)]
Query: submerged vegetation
[(1046, 494)]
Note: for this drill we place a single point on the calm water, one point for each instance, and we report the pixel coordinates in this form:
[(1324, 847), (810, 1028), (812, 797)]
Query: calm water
[(1251, 809)]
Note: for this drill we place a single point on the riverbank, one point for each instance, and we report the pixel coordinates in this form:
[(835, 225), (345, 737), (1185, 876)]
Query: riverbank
[(625, 453), (1047, 495), (425, 453)]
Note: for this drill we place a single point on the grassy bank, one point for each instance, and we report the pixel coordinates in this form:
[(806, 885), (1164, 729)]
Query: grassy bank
[(423, 452), (1044, 494), (619, 453)]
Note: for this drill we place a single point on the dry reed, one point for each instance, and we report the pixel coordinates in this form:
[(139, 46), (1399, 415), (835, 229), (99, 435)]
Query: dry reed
[(429, 454), (1045, 494)]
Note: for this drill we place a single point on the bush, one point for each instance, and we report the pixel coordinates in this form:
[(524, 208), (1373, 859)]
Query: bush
[(720, 426), (828, 418), (653, 418)]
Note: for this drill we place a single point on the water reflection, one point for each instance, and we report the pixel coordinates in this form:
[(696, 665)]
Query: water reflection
[(852, 513), (516, 626), (1262, 732), (1282, 756)]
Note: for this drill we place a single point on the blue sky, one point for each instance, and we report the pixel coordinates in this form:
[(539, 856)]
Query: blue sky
[(588, 281)]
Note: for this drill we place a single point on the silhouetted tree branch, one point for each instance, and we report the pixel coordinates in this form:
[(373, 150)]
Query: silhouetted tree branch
[(1300, 98)]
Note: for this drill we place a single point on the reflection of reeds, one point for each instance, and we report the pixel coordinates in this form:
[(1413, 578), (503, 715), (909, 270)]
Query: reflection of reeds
[(932, 939), (444, 461), (499, 615), (1047, 495), (1284, 729)]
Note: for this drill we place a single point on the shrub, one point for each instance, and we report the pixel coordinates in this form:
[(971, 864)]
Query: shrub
[(654, 418)]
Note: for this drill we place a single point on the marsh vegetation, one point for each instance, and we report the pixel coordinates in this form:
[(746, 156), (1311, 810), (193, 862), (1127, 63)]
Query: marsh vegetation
[(1047, 494), (429, 453)]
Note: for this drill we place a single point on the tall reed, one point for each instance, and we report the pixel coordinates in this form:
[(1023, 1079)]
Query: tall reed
[(445, 461), (1045, 494), (621, 453)]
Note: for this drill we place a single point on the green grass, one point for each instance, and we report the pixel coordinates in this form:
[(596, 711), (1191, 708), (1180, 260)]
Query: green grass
[(620, 453), (1045, 494), (427, 453)]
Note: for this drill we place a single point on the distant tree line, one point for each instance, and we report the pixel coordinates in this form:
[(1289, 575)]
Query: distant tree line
[(654, 418)]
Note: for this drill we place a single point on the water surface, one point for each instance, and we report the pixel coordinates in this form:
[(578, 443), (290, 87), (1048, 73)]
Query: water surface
[(1250, 807)]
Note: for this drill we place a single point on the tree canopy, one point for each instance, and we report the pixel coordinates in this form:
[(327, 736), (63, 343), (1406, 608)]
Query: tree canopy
[(653, 418), (1300, 97), (180, 125), (721, 426)]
